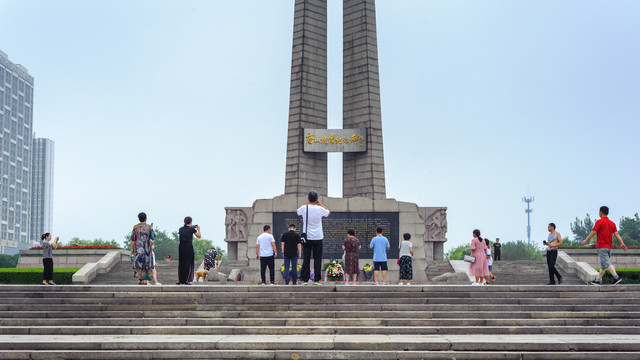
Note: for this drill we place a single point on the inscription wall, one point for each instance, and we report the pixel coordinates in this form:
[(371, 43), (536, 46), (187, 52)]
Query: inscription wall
[(335, 230)]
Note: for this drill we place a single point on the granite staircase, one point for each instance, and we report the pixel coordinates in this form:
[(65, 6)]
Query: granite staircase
[(319, 322), (528, 272)]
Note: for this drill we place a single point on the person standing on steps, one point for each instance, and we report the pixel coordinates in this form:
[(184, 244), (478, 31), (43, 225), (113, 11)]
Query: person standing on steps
[(604, 230), (479, 268), (47, 258), (553, 242), (380, 246), (497, 250), (351, 246), (291, 252), (142, 238), (266, 253), (405, 257), (312, 214), (489, 263), (185, 251)]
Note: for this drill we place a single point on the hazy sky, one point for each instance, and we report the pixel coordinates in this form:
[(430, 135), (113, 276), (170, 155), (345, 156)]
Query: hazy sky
[(180, 108)]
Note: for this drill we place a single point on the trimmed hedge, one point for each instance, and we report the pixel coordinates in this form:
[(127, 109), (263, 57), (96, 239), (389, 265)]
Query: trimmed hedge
[(34, 275), (629, 276)]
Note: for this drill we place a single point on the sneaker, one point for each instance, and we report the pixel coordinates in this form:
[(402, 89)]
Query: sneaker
[(158, 283), (560, 280), (375, 283), (400, 284), (272, 284), (317, 283), (408, 284), (551, 283), (263, 284), (305, 283), (617, 280), (595, 282)]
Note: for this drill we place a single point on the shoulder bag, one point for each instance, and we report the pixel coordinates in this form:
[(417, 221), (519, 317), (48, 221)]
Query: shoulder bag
[(303, 236), (470, 259)]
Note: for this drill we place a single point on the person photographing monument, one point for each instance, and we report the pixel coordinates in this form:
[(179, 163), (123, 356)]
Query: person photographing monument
[(185, 251), (312, 214), (47, 258), (604, 230)]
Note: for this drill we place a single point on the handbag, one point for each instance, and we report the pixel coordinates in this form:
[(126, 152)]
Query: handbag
[(470, 259), (303, 236)]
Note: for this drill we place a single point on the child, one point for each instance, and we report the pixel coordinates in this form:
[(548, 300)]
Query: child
[(47, 258)]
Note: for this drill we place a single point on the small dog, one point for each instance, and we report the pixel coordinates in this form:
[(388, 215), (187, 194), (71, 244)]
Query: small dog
[(201, 274)]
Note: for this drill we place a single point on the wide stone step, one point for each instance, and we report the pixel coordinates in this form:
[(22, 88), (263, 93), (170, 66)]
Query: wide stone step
[(318, 355), (519, 343), (439, 322), (317, 330), (33, 303), (326, 314), (188, 308)]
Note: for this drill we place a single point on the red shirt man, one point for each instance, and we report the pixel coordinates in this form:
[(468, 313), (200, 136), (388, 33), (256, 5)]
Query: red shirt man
[(605, 229)]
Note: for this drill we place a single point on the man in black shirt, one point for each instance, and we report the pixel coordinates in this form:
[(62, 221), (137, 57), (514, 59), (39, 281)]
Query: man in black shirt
[(291, 251), (497, 250)]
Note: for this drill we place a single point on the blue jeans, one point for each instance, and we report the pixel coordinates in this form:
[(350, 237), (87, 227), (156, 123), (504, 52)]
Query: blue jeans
[(293, 262)]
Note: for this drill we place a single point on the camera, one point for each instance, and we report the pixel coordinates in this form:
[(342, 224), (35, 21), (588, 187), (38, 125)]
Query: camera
[(195, 227)]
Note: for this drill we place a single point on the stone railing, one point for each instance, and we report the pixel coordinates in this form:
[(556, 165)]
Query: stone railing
[(90, 270), (65, 258), (619, 258), (568, 264)]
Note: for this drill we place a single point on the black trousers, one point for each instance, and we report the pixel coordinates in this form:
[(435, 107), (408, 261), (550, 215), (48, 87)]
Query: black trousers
[(185, 262), (552, 256), (47, 273), (496, 255), (267, 261), (315, 247)]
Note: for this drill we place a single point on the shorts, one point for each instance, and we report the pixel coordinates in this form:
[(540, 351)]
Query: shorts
[(490, 268), (604, 255), (380, 265)]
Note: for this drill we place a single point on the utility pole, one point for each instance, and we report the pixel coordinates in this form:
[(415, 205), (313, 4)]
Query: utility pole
[(528, 199)]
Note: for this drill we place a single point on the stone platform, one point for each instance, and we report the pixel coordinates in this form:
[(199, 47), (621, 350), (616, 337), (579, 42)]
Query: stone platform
[(427, 225), (320, 322)]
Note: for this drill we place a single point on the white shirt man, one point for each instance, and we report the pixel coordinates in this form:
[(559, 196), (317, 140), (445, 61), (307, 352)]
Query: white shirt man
[(266, 253), (312, 226)]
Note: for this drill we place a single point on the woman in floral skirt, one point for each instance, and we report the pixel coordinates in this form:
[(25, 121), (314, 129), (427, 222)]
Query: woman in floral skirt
[(351, 246)]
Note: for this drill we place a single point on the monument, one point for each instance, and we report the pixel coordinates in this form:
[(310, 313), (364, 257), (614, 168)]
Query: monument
[(364, 205)]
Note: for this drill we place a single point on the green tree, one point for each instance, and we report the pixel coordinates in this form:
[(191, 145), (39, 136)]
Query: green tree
[(581, 229), (629, 230), (165, 244), (9, 261), (520, 250), (457, 253)]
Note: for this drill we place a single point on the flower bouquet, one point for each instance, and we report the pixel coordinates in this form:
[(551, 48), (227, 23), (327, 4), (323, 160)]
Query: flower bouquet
[(368, 272), (334, 271)]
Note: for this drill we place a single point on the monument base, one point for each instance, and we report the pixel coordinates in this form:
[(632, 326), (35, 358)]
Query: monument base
[(427, 226)]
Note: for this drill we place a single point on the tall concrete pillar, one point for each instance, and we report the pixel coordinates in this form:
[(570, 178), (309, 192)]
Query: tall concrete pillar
[(307, 171), (363, 172)]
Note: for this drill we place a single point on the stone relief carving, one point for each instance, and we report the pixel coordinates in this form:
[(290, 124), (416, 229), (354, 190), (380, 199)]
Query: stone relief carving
[(236, 224), (436, 225)]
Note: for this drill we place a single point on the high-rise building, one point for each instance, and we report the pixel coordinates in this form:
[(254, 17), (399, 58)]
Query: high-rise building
[(16, 176), (42, 187)]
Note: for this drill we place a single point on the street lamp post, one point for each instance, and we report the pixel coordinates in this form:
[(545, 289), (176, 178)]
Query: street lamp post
[(529, 210)]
